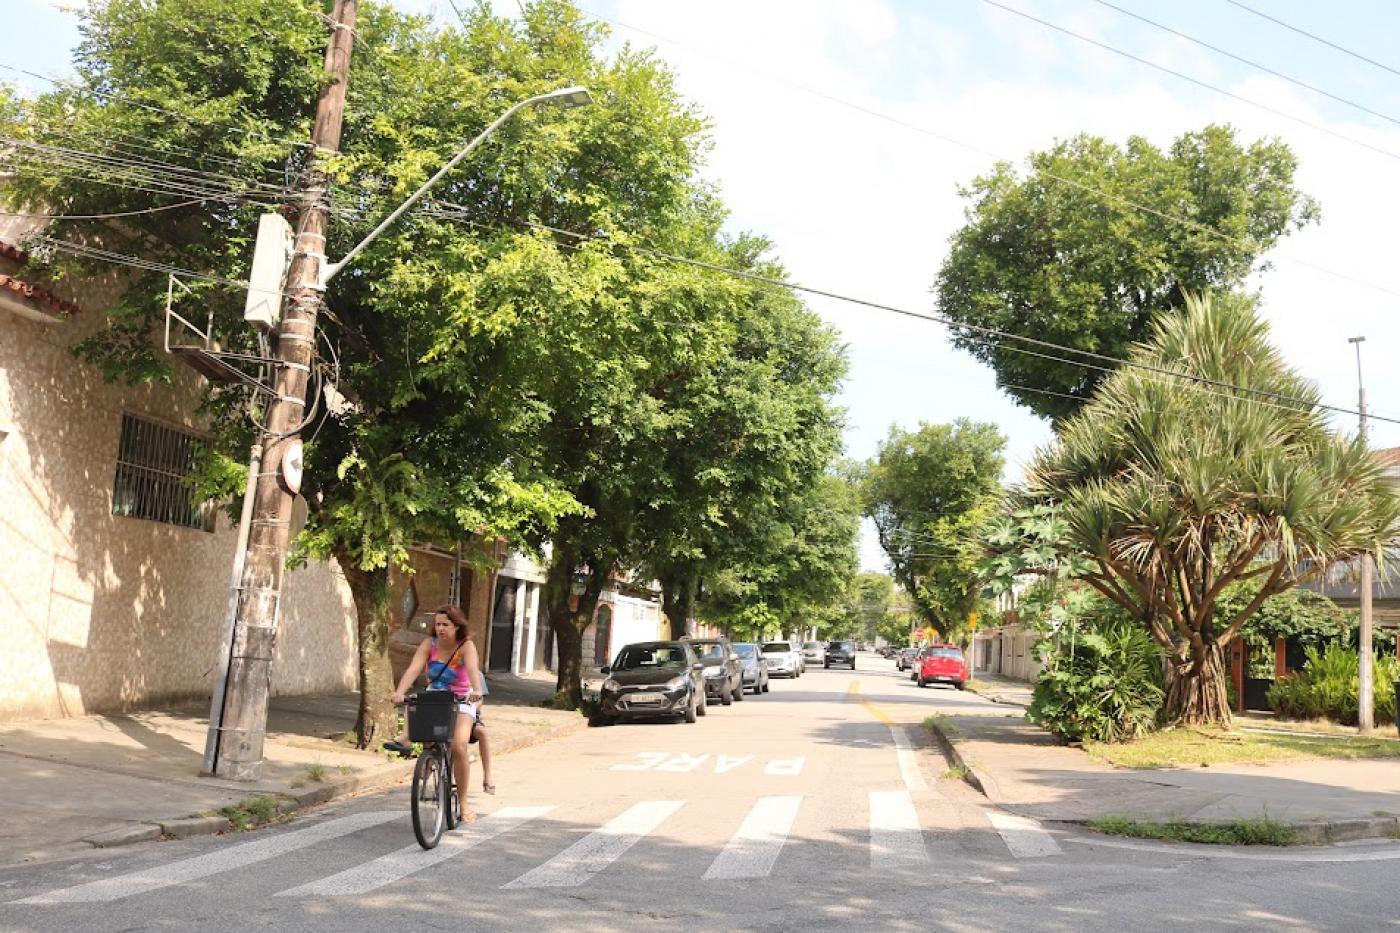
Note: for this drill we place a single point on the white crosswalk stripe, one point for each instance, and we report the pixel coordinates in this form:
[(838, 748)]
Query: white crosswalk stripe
[(222, 860), (751, 852), (1025, 838), (396, 865), (908, 762), (600, 848), (895, 836)]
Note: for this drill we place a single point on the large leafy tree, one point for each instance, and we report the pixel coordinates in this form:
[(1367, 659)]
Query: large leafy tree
[(1095, 240), (1167, 491), (928, 492), (468, 332)]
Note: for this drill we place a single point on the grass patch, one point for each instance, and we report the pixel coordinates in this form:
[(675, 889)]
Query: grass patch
[(955, 773), (1173, 748), (316, 773), (250, 812), (940, 723), (1256, 832)]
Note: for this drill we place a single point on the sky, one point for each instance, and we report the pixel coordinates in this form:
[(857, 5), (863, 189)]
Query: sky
[(842, 130)]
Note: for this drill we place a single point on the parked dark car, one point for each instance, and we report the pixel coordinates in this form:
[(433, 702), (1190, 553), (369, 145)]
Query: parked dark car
[(653, 678), (840, 652), (942, 664), (754, 666), (724, 676), (904, 658)]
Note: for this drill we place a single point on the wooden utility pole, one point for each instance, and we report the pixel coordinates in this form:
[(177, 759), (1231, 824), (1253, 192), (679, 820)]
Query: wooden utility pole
[(244, 720)]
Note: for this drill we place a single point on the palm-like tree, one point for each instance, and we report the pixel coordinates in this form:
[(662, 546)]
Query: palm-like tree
[(1173, 486)]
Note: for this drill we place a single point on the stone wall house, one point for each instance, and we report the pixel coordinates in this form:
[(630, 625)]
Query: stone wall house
[(114, 585)]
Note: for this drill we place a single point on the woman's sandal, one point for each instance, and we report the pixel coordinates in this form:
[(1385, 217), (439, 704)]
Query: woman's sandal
[(489, 788)]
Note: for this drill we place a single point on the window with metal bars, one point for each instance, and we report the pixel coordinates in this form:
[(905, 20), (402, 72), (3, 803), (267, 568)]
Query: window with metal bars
[(154, 463)]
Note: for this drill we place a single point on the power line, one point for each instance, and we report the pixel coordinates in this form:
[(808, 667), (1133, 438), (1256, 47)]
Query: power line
[(1316, 38), (1105, 196), (1245, 61), (111, 216), (1197, 383), (1388, 153)]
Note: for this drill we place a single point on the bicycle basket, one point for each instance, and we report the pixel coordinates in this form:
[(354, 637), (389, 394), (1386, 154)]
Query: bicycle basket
[(431, 714)]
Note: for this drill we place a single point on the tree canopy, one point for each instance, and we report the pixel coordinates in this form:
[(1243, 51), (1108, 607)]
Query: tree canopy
[(1096, 240), (928, 492)]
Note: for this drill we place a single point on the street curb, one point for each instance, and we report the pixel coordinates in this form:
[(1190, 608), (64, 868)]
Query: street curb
[(1306, 833), (290, 802), (973, 774)]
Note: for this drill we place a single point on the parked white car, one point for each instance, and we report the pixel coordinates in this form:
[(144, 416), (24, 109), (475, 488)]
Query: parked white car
[(783, 659)]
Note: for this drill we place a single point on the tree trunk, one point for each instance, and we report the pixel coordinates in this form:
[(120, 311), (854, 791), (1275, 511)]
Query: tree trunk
[(570, 622), (376, 715), (678, 603), (1196, 692)]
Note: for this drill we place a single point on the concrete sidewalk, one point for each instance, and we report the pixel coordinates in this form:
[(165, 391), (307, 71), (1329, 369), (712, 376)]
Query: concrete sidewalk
[(72, 784), (1025, 770)]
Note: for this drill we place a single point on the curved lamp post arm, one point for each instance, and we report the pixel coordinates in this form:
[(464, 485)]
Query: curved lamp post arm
[(575, 96)]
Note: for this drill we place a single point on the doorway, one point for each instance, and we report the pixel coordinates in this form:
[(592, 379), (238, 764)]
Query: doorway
[(503, 626)]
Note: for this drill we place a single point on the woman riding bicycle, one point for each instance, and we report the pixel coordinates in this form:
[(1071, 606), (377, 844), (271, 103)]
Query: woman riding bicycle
[(453, 664)]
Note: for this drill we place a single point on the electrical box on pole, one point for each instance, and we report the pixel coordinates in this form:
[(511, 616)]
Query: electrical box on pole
[(271, 256)]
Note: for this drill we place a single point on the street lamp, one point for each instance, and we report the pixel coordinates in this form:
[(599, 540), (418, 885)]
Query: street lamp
[(567, 98)]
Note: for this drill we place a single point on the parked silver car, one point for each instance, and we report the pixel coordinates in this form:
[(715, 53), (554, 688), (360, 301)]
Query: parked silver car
[(813, 652), (783, 660), (755, 666)]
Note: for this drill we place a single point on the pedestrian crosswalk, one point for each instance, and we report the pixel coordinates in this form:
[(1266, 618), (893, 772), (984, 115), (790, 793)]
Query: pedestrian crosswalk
[(894, 837)]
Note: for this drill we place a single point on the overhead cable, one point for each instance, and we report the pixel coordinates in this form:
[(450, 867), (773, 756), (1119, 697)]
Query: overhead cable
[(1316, 38), (1104, 362), (1245, 61)]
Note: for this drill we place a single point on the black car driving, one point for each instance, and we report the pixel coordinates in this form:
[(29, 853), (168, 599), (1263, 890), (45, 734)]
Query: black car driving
[(840, 652), (653, 678)]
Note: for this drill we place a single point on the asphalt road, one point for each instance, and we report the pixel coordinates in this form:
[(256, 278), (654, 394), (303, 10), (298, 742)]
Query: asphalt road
[(819, 805)]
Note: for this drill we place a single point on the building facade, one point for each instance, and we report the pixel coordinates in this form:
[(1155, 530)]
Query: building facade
[(114, 590)]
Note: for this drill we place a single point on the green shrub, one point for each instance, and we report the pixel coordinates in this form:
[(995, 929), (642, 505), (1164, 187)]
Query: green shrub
[(1328, 686), (1102, 682)]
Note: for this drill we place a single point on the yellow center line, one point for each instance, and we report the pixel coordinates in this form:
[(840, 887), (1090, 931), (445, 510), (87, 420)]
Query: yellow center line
[(853, 692)]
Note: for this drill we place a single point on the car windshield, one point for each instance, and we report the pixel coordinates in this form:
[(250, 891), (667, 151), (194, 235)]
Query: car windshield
[(771, 646), (839, 645), (945, 653), (746, 651), (709, 651), (635, 657)]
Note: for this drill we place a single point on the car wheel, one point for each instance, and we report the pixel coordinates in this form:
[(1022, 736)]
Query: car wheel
[(961, 685), (690, 711)]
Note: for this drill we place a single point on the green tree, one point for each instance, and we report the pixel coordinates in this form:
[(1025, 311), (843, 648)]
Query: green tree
[(1083, 251), (1168, 492), (929, 491), (464, 336)]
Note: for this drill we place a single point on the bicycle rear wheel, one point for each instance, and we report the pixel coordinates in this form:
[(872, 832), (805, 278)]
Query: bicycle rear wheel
[(430, 798)]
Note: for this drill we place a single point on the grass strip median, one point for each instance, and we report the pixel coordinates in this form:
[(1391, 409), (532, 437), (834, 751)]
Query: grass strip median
[(1248, 832)]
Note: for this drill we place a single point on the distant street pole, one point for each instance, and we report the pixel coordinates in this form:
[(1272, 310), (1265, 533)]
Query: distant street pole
[(1364, 713)]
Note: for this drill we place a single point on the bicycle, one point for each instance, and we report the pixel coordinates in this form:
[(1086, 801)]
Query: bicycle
[(435, 803)]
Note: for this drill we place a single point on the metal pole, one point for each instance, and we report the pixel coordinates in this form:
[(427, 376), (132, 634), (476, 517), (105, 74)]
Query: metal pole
[(1365, 718), (216, 703)]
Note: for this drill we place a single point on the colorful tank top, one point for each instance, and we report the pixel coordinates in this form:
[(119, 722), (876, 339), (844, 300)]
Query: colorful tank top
[(455, 678)]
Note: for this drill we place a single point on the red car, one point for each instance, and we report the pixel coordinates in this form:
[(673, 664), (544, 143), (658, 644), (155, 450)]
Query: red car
[(942, 664)]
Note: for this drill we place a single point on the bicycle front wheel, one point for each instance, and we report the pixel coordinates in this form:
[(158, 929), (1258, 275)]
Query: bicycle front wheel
[(430, 798)]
